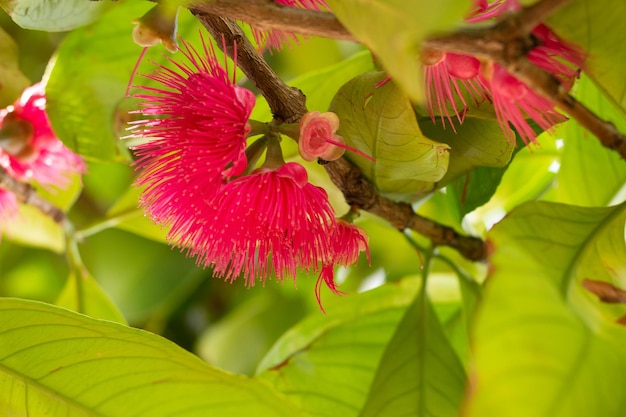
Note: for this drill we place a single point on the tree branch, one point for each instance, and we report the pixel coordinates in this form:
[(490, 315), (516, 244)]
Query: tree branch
[(266, 14), (507, 43), (26, 194), (358, 191)]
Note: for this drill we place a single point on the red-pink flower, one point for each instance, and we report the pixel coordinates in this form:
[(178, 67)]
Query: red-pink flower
[(274, 39), (317, 137), (513, 100), (347, 242), (450, 79), (29, 149), (197, 127), (271, 221)]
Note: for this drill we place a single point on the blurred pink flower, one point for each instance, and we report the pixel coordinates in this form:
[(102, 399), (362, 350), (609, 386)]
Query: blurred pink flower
[(274, 39), (197, 127), (347, 241), (29, 149), (317, 137), (271, 221)]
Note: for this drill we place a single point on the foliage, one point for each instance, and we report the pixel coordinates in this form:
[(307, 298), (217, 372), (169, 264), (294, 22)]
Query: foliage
[(100, 317)]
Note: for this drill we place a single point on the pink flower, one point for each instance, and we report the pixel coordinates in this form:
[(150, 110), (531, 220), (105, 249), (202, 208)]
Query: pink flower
[(513, 100), (274, 39), (348, 241), (197, 126), (271, 221), (448, 79), (317, 137), (29, 149)]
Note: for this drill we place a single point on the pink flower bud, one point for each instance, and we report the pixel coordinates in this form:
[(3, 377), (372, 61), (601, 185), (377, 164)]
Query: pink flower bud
[(318, 138)]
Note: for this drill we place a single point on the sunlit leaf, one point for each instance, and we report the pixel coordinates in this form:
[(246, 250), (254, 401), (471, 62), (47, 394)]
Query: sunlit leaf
[(326, 364), (12, 81), (53, 15), (419, 373), (380, 122), (584, 23), (58, 363), (394, 29), (542, 344), (590, 174)]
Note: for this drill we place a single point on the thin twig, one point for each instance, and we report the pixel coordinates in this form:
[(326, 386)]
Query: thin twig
[(26, 194), (507, 43), (358, 191), (265, 15)]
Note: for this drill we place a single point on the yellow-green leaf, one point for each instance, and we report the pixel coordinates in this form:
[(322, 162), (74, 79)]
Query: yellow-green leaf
[(380, 122)]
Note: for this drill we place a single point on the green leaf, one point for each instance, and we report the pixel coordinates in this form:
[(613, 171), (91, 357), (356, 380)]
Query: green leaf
[(30, 227), (585, 23), (12, 81), (90, 74), (59, 363), (51, 15), (127, 215), (380, 122), (479, 155), (83, 294), (544, 346), (394, 29), (590, 174), (419, 374), (326, 364)]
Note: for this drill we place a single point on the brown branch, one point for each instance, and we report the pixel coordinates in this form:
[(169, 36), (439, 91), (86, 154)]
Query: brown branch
[(508, 42), (28, 195), (358, 191), (266, 14)]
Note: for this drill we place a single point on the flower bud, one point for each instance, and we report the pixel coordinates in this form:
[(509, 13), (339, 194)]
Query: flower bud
[(318, 138)]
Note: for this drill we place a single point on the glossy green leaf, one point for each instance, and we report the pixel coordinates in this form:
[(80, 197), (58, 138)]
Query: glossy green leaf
[(590, 174), (326, 363), (53, 15), (394, 29), (584, 22), (83, 294), (54, 362), (12, 81), (380, 122), (542, 344), (419, 373)]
